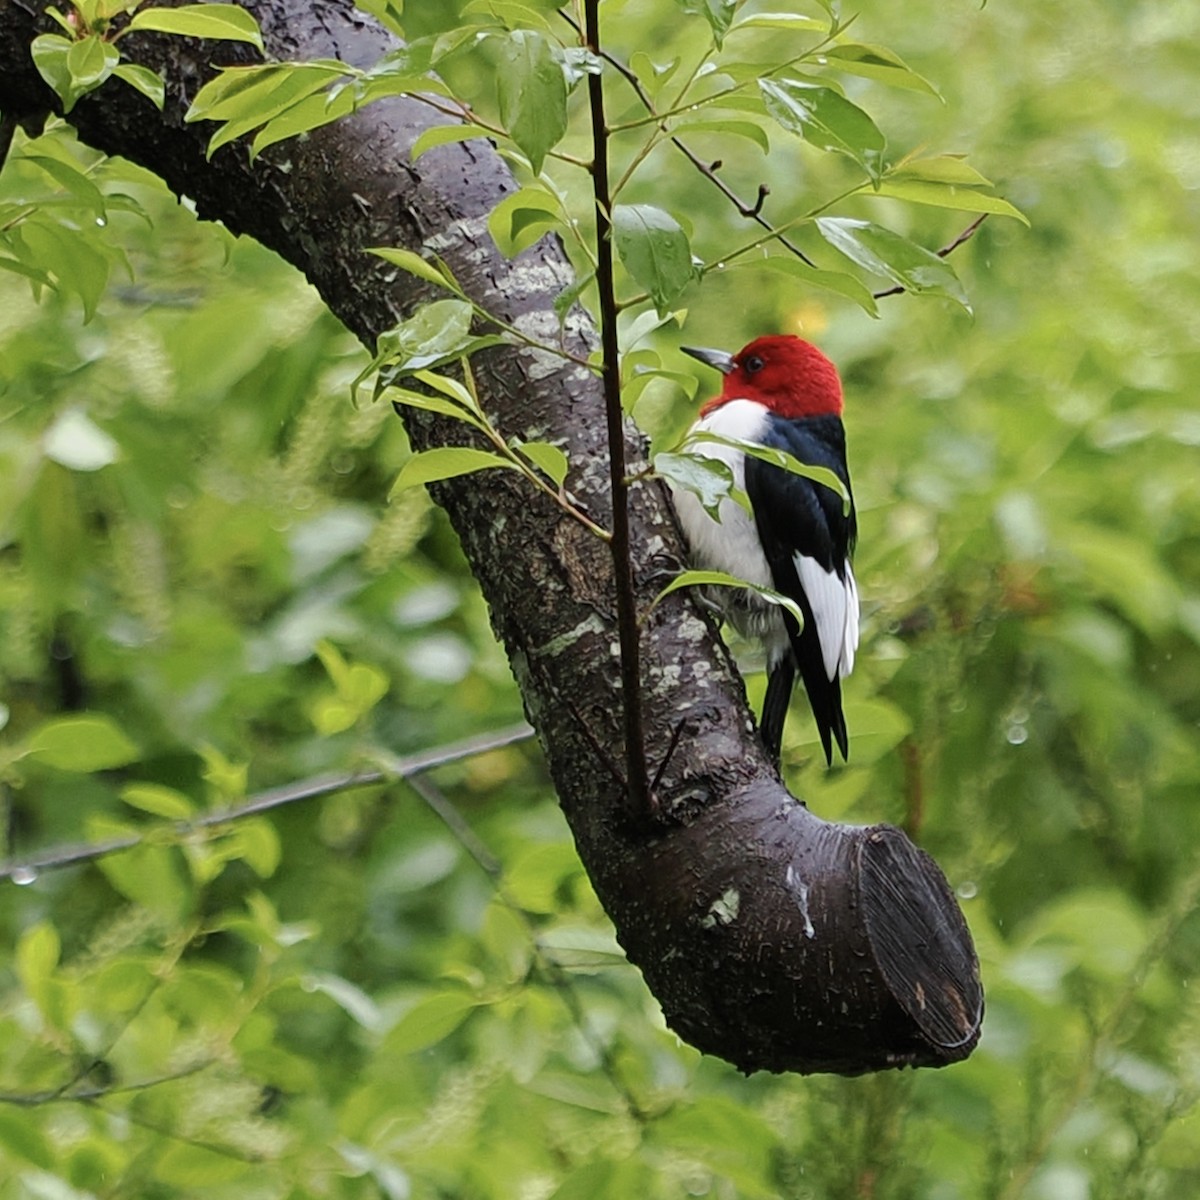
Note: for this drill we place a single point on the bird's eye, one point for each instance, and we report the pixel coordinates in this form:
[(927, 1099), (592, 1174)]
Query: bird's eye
[(752, 364)]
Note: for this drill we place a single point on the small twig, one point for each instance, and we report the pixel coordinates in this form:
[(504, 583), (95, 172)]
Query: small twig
[(751, 211), (26, 870), (966, 235), (436, 801), (627, 622), (85, 1094), (764, 191), (676, 734)]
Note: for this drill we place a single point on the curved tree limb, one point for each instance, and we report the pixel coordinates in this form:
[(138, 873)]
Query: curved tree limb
[(770, 937)]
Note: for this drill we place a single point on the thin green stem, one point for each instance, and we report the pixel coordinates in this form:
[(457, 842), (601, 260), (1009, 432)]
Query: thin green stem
[(470, 117), (494, 436), (777, 231)]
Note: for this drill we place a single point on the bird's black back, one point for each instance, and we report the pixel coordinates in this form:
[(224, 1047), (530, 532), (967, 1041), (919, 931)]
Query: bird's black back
[(797, 515)]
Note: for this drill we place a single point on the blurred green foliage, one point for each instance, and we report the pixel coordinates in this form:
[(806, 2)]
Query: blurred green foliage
[(202, 593)]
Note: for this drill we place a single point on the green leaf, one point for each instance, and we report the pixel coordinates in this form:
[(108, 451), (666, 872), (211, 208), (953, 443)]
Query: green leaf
[(157, 799), (71, 179), (510, 13), (27, 271), (225, 777), (90, 62), (655, 251), (778, 458), (709, 479), (567, 298), (653, 76), (533, 94), (302, 117), (447, 462), (549, 459), (879, 727), (507, 939), (941, 168), (428, 1022), (73, 67), (143, 80), (826, 120), (22, 1138), (359, 687), (743, 129), (75, 263), (791, 22), (878, 62), (387, 12), (885, 253), (581, 947), (434, 334), (83, 744), (256, 94), (36, 960), (840, 282), (662, 404), (183, 1167), (427, 403), (414, 264), (536, 878), (948, 195), (148, 874), (49, 52), (718, 14), (720, 579), (441, 135), (257, 845), (37, 955), (216, 22), (524, 218)]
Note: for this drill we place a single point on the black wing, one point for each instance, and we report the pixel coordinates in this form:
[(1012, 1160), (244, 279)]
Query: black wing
[(795, 515)]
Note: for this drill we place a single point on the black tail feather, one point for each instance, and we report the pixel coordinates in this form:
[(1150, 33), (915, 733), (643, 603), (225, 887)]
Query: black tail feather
[(824, 697), (824, 694), (780, 679)]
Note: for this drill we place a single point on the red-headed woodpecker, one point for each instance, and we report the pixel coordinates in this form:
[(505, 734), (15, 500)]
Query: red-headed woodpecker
[(783, 392)]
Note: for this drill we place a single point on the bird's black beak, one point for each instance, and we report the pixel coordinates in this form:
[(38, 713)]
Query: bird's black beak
[(712, 358)]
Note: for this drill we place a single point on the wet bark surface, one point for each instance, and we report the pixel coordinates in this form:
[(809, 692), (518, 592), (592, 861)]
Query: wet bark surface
[(771, 938)]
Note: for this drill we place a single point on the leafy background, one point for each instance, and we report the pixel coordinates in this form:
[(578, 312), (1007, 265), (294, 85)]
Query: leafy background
[(350, 998)]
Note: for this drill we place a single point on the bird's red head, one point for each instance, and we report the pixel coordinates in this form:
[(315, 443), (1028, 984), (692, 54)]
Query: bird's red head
[(787, 374)]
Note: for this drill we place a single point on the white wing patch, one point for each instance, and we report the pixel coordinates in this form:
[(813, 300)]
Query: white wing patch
[(834, 604)]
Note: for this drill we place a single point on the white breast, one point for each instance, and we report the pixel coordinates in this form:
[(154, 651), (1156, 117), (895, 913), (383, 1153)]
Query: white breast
[(731, 543)]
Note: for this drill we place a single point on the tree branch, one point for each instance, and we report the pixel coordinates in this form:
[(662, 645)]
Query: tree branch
[(770, 937), (26, 870), (628, 627)]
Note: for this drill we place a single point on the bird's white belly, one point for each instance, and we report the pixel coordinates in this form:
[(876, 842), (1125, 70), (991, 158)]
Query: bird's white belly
[(730, 543)]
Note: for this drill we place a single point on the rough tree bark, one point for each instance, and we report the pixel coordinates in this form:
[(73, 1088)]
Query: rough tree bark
[(771, 938)]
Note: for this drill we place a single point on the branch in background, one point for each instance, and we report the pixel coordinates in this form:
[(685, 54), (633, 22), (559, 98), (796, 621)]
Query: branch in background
[(708, 170), (966, 235), (27, 870), (628, 628)]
